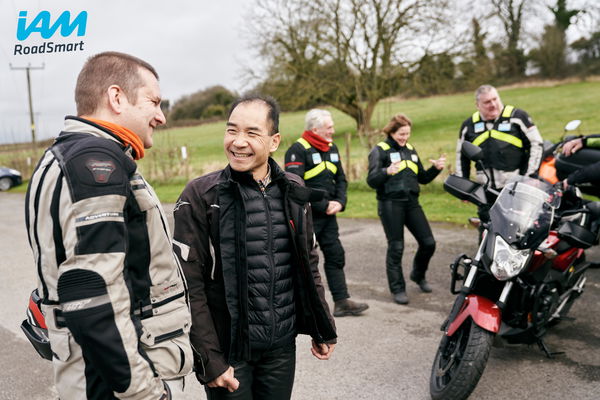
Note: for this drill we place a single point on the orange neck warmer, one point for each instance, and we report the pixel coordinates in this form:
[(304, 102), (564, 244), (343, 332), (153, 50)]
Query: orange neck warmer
[(127, 136)]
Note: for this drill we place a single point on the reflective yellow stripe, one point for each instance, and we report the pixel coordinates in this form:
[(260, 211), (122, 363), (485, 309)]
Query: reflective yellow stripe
[(386, 146), (304, 143), (410, 165), (505, 137), (311, 173), (507, 111), (413, 166), (481, 138), (592, 142), (331, 166), (476, 117), (402, 165)]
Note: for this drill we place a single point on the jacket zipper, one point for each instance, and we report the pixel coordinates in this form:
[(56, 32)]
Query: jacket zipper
[(271, 265), (159, 210)]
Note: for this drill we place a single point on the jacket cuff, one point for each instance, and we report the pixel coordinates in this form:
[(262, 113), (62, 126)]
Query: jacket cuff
[(341, 201), (320, 206), (213, 369)]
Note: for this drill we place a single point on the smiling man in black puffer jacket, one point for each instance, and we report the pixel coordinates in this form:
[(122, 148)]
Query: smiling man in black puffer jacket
[(244, 237)]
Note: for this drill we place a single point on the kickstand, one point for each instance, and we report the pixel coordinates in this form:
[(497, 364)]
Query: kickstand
[(546, 350)]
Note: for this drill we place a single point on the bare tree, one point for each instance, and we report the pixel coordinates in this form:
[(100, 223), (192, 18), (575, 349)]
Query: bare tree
[(346, 53)]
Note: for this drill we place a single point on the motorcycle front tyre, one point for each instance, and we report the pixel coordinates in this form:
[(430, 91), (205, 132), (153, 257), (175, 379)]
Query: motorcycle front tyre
[(459, 362)]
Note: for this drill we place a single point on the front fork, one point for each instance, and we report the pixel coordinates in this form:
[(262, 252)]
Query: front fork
[(482, 311)]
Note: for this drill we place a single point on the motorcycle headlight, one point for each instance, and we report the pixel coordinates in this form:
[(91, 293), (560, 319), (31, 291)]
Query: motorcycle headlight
[(508, 262)]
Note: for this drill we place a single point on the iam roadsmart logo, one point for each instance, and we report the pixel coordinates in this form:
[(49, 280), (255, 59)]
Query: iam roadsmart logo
[(42, 24)]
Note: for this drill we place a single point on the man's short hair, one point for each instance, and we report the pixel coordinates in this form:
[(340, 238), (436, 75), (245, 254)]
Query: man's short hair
[(270, 102), (483, 89), (397, 121), (315, 118), (103, 70)]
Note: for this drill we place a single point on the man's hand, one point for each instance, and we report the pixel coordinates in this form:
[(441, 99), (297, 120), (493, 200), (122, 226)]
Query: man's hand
[(572, 146), (322, 350), (166, 393), (440, 163), (165, 396), (333, 207), (225, 380)]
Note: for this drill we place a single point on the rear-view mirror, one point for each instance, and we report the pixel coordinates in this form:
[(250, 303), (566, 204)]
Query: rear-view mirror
[(572, 125), (472, 152)]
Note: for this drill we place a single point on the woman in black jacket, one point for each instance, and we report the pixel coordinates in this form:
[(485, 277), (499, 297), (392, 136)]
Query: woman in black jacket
[(395, 171)]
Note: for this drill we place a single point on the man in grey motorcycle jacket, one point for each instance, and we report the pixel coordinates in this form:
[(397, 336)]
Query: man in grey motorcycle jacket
[(114, 297)]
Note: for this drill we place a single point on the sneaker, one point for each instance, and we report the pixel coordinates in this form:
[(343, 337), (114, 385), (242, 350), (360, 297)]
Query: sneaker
[(401, 298), (348, 307)]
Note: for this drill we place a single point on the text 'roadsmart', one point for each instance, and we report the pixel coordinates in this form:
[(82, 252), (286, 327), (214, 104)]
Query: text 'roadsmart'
[(42, 24)]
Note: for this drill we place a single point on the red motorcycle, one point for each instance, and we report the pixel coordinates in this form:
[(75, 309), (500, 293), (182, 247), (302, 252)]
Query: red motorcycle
[(529, 269)]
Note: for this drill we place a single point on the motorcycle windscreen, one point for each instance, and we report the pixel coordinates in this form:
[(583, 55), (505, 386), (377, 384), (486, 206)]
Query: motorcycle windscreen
[(523, 213)]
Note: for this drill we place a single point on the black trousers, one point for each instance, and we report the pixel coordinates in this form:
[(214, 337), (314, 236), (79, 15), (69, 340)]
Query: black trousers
[(328, 236), (268, 375), (394, 216)]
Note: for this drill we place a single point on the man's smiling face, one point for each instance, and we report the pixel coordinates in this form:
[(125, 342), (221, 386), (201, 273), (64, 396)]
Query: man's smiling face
[(248, 140)]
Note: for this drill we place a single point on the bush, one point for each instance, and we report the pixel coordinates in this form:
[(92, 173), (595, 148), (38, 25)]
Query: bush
[(207, 103)]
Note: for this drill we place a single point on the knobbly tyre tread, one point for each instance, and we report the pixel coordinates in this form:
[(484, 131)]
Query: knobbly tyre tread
[(470, 368)]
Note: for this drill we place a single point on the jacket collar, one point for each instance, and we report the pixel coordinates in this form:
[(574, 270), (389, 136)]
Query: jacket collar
[(246, 176), (394, 145), (80, 125), (298, 193)]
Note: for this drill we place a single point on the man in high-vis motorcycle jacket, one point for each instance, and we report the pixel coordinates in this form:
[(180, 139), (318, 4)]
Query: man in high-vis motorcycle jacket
[(114, 297), (316, 159), (510, 141)]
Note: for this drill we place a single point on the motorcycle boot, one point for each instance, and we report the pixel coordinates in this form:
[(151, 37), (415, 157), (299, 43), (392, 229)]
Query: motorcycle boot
[(421, 262), (393, 266), (424, 286), (401, 297), (422, 283), (347, 307)]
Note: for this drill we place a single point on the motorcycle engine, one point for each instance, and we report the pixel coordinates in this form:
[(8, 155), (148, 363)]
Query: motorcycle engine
[(544, 305)]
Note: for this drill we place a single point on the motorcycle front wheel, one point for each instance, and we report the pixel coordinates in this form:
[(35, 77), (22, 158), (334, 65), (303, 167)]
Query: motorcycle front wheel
[(459, 362)]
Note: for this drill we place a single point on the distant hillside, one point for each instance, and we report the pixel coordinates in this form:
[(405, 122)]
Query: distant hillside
[(436, 122)]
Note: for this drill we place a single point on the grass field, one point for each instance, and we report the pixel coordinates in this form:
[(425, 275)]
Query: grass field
[(436, 121)]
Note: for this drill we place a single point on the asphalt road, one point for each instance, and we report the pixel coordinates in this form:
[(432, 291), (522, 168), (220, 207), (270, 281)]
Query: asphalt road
[(385, 354)]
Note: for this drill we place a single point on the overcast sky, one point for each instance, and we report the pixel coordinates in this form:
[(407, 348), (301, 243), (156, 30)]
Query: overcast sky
[(192, 45)]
